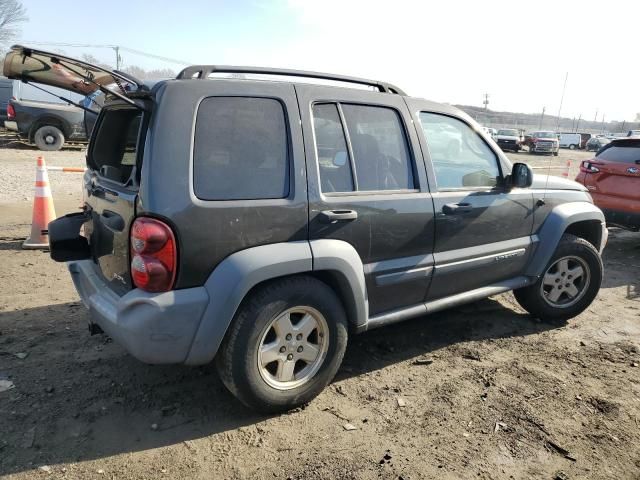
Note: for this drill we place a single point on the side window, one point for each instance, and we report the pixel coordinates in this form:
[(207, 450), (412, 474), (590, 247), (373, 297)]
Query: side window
[(461, 159), (380, 150), (240, 149), (379, 157), (331, 148)]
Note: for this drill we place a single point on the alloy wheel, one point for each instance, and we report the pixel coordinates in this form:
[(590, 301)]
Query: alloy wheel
[(293, 347), (565, 282)]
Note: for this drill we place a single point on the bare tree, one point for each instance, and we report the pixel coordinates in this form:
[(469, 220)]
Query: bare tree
[(87, 57), (12, 14), (156, 74)]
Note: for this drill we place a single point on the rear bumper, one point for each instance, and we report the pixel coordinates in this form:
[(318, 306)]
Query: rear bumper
[(11, 125), (153, 327)]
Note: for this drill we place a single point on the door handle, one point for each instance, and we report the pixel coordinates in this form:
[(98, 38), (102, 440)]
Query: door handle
[(333, 216), (456, 208)]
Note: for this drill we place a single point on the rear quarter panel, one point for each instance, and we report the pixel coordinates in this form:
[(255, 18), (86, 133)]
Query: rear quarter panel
[(209, 231)]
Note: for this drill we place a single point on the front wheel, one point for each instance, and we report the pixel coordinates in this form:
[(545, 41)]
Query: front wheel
[(285, 344), (49, 138), (572, 147), (569, 284), (555, 154)]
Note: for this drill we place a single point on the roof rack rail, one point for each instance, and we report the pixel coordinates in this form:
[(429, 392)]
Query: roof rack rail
[(203, 71)]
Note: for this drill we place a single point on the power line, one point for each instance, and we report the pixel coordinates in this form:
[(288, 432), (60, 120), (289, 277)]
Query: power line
[(113, 47)]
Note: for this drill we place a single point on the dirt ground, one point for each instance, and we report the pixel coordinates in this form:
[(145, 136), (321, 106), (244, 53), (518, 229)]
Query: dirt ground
[(483, 391)]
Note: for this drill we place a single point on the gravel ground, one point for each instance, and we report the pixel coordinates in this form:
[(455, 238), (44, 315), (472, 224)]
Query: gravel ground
[(18, 173)]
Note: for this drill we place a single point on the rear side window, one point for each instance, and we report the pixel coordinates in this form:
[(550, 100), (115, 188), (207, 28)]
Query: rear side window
[(114, 148), (241, 149), (379, 147), (378, 158), (622, 152)]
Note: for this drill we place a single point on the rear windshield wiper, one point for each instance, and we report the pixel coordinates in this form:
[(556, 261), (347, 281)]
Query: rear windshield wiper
[(66, 100)]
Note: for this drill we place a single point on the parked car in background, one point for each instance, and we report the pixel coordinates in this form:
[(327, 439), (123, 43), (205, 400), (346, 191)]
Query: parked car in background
[(613, 179), (259, 225), (42, 119), (572, 141), (490, 131), (596, 143), (47, 125), (543, 142), (508, 139), (633, 133)]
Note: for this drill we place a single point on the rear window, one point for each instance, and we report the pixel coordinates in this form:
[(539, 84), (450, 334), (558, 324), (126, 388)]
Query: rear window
[(623, 152), (115, 146), (241, 149)]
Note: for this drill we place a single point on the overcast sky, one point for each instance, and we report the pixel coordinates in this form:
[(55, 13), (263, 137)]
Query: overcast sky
[(445, 50)]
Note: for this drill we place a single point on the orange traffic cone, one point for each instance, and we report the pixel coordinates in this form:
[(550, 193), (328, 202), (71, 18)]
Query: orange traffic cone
[(43, 210), (566, 172)]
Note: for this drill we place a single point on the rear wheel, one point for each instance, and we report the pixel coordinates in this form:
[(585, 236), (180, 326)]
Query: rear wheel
[(285, 345), (569, 284), (572, 147), (49, 138)]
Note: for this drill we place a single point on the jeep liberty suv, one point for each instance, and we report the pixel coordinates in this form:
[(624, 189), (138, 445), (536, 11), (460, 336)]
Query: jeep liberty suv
[(260, 223)]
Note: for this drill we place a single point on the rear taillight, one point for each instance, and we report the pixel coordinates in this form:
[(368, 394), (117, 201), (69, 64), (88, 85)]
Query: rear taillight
[(153, 255), (588, 167), (11, 112)]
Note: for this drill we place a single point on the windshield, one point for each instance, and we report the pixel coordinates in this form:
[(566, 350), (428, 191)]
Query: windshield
[(509, 133), (544, 135)]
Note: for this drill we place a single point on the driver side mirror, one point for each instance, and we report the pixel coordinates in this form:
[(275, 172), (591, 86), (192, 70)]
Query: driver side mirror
[(521, 175)]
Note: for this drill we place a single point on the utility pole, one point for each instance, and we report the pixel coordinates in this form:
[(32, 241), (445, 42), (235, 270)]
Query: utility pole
[(118, 59), (578, 124), (602, 126), (486, 101), (561, 100), (541, 117)]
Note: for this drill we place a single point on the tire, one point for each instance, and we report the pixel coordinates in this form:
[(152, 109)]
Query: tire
[(572, 147), (536, 299), (245, 371), (49, 138), (555, 154)]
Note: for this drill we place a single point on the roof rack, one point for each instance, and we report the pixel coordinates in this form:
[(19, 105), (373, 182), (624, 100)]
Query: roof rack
[(203, 71)]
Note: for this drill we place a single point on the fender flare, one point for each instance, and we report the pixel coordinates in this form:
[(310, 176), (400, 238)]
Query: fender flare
[(554, 226), (237, 274)]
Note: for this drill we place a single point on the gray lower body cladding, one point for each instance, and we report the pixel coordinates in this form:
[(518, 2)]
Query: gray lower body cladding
[(153, 327)]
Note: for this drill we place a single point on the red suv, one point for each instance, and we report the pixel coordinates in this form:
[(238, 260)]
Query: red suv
[(613, 179)]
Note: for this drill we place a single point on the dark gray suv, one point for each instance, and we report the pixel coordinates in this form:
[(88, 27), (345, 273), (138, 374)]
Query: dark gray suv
[(261, 222)]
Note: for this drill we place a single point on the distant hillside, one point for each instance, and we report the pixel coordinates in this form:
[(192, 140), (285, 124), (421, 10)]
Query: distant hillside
[(531, 121)]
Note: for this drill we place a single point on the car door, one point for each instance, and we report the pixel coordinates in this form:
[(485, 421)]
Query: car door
[(368, 187), (482, 228), (613, 179)]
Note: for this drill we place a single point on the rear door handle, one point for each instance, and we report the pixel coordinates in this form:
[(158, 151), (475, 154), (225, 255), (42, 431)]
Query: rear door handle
[(456, 208), (333, 216)]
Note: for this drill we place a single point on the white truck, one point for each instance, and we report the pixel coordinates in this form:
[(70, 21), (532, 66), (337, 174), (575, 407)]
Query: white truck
[(572, 141)]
